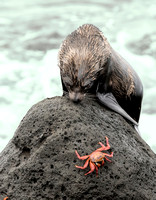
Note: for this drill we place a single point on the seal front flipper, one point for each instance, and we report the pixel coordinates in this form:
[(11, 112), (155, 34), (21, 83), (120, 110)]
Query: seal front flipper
[(110, 101)]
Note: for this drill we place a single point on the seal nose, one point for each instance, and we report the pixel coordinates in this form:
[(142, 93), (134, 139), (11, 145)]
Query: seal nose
[(76, 97), (76, 100)]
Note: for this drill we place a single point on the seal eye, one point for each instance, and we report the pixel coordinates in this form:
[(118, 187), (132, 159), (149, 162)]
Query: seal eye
[(67, 82), (68, 86), (87, 87)]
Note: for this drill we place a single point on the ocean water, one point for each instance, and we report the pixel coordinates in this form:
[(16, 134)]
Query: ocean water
[(31, 33)]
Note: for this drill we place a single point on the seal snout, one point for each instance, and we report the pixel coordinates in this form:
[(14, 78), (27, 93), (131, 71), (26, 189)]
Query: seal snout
[(76, 97)]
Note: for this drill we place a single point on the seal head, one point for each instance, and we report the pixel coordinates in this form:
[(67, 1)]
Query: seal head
[(82, 57)]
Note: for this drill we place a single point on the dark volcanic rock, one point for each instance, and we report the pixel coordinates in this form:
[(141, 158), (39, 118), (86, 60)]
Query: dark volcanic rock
[(39, 161)]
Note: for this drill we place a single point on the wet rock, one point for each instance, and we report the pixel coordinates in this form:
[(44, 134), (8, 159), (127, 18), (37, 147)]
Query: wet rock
[(39, 161)]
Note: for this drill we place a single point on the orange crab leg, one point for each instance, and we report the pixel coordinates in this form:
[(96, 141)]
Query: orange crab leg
[(92, 167), (96, 170), (81, 157), (103, 162), (5, 198), (108, 159), (103, 146), (109, 155), (84, 166)]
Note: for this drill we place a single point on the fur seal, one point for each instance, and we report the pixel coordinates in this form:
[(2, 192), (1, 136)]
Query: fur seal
[(88, 64)]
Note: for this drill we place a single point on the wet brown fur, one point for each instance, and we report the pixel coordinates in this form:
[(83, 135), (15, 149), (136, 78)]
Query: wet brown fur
[(122, 77), (82, 55), (88, 63)]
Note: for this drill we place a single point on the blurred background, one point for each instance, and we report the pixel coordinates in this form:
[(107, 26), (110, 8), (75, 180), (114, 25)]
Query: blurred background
[(31, 33)]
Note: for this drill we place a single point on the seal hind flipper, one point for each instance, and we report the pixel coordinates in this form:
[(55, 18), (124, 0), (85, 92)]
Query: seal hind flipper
[(110, 101)]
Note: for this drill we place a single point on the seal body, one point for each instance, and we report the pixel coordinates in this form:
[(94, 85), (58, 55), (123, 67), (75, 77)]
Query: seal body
[(89, 65)]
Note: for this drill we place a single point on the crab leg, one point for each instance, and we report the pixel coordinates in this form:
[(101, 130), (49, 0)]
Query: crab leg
[(84, 166), (92, 167), (108, 159), (103, 162), (109, 155), (96, 170), (103, 146), (81, 157)]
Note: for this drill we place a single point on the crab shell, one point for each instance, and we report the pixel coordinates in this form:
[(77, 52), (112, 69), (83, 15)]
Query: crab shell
[(97, 158)]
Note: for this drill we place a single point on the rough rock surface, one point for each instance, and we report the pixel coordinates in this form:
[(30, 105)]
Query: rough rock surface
[(39, 161)]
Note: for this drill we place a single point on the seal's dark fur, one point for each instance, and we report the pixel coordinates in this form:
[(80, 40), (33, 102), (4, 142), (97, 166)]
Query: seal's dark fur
[(88, 64)]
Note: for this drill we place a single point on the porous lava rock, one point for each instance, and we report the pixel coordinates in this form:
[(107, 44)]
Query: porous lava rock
[(39, 161)]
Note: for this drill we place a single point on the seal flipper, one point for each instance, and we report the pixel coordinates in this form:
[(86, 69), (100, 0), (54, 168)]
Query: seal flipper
[(110, 101)]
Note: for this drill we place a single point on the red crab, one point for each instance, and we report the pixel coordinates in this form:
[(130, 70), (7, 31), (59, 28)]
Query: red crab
[(96, 158)]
